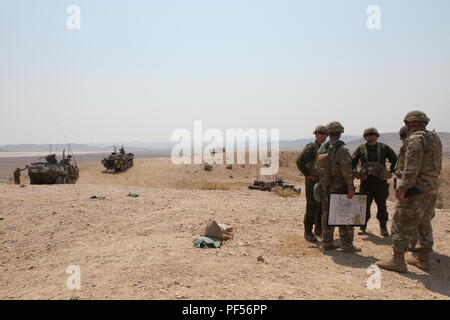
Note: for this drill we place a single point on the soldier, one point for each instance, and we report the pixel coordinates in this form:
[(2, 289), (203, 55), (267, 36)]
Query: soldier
[(334, 167), (17, 175), (419, 167), (305, 164), (371, 157), (51, 158)]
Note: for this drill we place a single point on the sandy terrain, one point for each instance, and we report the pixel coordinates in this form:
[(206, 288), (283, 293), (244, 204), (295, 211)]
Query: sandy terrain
[(136, 248)]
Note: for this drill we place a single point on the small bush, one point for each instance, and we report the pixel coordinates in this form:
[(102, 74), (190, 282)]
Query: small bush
[(215, 186), (285, 193)]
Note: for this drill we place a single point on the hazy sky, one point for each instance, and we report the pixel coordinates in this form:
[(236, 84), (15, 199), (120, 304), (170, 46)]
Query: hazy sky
[(137, 70)]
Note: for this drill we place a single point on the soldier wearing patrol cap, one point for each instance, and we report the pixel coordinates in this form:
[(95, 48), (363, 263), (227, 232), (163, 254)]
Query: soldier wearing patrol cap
[(370, 158), (419, 168), (334, 168), (305, 164)]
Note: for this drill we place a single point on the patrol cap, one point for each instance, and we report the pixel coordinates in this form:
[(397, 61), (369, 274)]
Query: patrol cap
[(416, 115), (403, 132), (371, 130), (335, 126), (320, 128)]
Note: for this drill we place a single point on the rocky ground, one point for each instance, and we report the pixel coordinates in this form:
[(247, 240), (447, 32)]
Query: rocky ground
[(141, 248)]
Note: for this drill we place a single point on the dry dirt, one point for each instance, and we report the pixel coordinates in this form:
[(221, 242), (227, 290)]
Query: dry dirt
[(141, 248)]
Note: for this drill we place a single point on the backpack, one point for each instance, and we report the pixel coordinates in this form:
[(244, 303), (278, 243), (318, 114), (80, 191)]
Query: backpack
[(325, 158), (433, 147)]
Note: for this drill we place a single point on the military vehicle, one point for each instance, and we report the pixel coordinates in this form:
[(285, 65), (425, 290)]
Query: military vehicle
[(53, 172), (118, 161), (269, 185)]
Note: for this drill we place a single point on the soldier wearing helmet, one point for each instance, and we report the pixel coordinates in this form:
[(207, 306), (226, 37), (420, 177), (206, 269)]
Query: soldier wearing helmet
[(370, 160), (419, 168), (305, 163), (334, 168)]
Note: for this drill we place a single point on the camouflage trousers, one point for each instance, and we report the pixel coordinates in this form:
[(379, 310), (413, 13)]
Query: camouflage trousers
[(412, 221), (346, 233), (17, 180), (313, 212)]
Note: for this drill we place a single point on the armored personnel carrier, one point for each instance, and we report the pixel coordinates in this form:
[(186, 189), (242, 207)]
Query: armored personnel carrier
[(53, 172), (118, 161)]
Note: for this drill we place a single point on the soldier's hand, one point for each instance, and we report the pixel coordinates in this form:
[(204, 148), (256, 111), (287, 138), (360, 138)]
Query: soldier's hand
[(350, 194)]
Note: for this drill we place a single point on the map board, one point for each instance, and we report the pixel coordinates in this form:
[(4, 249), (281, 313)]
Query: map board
[(347, 212)]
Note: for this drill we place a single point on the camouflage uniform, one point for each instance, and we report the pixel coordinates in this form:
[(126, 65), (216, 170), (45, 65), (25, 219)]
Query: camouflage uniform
[(416, 168), (305, 164), (419, 167), (376, 188), (337, 178), (17, 176)]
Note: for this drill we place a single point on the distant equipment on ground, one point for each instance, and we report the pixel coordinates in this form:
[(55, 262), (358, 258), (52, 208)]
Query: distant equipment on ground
[(53, 172), (270, 185), (118, 161)]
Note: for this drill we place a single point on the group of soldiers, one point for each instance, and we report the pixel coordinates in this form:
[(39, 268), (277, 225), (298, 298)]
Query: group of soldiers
[(329, 167)]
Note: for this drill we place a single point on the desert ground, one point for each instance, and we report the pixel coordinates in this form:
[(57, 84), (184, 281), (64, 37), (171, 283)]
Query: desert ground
[(142, 248)]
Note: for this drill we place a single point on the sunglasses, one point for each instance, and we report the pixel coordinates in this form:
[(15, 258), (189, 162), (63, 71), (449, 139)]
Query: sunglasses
[(320, 132), (370, 134)]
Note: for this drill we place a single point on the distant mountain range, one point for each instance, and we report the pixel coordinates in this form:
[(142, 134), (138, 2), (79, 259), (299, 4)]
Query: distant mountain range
[(391, 138)]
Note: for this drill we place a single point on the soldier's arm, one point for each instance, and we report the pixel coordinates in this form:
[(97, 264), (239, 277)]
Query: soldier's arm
[(345, 163), (355, 158), (412, 163), (303, 159), (392, 157)]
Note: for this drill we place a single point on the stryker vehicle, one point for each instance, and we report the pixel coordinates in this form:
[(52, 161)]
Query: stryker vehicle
[(118, 161), (53, 172), (268, 186)]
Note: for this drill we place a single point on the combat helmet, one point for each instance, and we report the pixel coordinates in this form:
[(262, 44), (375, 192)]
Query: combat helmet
[(416, 115), (320, 128), (371, 130), (335, 126), (403, 132)]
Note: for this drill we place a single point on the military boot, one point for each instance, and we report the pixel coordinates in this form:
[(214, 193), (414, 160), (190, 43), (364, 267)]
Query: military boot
[(421, 261), (397, 263), (309, 236), (318, 230), (328, 246), (383, 229), (350, 248), (362, 231)]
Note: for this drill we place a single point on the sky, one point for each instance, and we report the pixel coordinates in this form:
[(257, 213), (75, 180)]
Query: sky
[(138, 70)]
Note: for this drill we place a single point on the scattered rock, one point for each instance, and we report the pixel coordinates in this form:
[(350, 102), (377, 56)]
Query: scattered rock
[(260, 258), (22, 186)]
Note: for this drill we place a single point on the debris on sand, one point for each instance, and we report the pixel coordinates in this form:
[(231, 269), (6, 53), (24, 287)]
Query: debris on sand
[(261, 259), (94, 197), (207, 242), (133, 195)]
